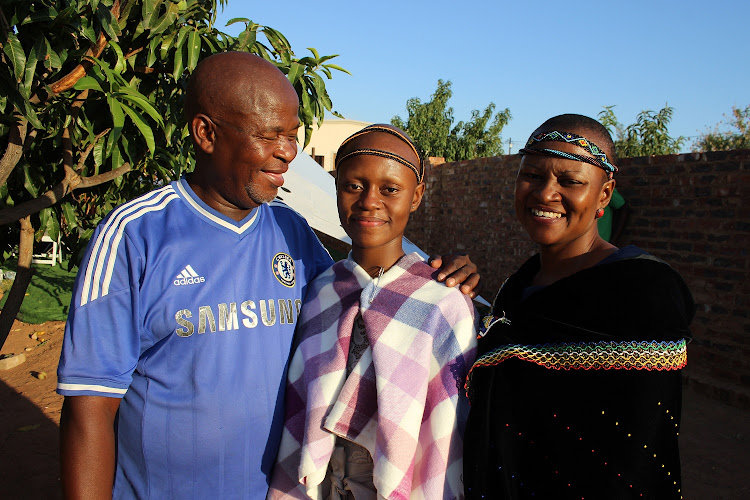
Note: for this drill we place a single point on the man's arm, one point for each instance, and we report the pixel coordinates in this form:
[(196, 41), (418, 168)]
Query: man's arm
[(458, 269), (87, 446)]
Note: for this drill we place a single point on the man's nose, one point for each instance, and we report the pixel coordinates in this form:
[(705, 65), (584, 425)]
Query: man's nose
[(286, 150)]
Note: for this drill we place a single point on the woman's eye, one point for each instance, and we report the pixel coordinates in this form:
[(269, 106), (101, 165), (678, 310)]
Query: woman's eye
[(570, 182)]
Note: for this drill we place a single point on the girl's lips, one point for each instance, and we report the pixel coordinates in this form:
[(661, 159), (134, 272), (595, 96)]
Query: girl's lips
[(368, 221)]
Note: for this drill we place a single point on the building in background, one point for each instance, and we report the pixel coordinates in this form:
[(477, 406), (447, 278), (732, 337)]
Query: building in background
[(326, 140)]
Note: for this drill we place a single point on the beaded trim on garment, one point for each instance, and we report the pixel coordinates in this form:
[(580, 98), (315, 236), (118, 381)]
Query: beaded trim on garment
[(630, 355)]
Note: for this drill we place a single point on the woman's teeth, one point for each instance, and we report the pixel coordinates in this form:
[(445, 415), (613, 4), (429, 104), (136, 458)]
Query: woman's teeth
[(546, 215)]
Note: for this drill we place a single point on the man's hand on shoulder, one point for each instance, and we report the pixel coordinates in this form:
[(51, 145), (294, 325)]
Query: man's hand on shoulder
[(457, 269)]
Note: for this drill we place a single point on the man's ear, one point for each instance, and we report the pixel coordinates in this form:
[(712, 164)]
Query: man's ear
[(607, 189), (204, 133), (417, 199)]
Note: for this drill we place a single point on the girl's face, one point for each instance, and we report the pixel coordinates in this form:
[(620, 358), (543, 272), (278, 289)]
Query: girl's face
[(376, 195), (556, 199)]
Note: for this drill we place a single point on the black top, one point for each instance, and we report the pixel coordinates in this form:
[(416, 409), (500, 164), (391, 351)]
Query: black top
[(576, 391)]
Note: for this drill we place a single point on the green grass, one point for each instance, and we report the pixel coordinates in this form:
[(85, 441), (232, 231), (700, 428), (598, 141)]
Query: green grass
[(48, 295)]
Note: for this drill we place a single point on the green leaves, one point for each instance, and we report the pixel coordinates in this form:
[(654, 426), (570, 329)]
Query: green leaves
[(738, 138), (128, 107), (12, 48), (69, 214), (146, 131), (648, 136), (88, 82), (193, 49), (429, 125), (311, 87)]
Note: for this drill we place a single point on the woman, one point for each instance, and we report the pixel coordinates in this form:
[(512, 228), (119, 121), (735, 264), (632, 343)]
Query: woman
[(576, 390), (374, 404)]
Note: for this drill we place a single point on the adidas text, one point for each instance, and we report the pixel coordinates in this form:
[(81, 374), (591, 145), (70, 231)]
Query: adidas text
[(189, 281)]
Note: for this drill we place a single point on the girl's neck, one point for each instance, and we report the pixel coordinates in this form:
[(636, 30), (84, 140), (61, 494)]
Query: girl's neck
[(372, 260)]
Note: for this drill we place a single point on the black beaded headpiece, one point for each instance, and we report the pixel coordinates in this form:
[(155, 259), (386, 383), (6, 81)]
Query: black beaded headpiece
[(417, 169), (599, 158)]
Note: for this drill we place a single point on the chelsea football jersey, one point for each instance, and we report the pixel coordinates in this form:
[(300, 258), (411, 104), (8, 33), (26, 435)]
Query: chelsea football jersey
[(188, 316)]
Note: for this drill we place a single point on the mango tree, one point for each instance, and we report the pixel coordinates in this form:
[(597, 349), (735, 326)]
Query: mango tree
[(91, 109)]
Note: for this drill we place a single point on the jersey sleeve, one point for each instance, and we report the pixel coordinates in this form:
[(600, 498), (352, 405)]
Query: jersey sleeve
[(321, 257), (101, 346)]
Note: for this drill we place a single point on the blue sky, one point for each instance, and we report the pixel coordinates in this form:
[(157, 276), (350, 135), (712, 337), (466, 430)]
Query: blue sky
[(537, 58)]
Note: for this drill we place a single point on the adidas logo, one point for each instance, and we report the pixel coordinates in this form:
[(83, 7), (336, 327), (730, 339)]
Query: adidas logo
[(188, 276)]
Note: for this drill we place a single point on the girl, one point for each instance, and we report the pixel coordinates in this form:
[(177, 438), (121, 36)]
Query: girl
[(374, 402)]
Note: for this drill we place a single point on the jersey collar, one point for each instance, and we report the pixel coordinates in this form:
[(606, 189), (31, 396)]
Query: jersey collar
[(211, 215)]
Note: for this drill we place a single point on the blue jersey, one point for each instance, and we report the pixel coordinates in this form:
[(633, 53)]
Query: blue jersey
[(188, 316)]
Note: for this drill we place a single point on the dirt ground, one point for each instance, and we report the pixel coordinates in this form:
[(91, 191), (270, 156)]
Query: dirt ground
[(714, 437)]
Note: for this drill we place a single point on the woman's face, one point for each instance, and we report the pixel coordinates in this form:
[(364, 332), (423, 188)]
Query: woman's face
[(556, 199)]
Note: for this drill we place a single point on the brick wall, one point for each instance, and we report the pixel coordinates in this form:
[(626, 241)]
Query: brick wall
[(686, 209)]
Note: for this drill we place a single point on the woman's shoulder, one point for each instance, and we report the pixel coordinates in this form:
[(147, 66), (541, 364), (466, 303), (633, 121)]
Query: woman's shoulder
[(635, 264), (639, 282)]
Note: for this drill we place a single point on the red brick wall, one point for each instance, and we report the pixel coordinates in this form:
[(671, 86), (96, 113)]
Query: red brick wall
[(686, 209)]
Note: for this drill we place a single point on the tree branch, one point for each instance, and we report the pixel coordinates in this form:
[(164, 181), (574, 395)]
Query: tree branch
[(67, 141), (66, 82), (70, 183), (4, 26), (132, 53), (18, 134), (24, 272), (95, 180), (14, 151), (29, 139), (82, 158)]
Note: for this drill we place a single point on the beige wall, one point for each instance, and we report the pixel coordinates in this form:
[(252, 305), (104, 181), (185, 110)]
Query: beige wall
[(326, 140)]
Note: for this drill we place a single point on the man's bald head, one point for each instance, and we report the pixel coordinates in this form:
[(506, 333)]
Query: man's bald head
[(232, 82), (243, 117)]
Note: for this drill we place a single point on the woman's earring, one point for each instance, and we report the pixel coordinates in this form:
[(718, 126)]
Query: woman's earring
[(599, 213)]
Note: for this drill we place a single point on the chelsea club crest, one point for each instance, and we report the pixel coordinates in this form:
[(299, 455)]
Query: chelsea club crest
[(283, 268)]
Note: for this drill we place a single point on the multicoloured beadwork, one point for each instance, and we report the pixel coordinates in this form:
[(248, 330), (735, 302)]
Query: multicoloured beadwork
[(599, 158), (631, 355)]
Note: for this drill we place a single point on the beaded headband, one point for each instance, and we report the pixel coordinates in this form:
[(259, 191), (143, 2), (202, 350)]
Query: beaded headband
[(418, 170), (598, 160)]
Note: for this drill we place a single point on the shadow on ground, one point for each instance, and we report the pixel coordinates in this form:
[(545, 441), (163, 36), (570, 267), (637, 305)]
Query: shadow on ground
[(29, 458)]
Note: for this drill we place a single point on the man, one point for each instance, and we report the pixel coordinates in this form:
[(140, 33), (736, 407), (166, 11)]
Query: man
[(183, 312)]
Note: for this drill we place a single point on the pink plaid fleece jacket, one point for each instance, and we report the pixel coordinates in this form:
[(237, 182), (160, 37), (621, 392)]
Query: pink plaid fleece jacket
[(404, 400)]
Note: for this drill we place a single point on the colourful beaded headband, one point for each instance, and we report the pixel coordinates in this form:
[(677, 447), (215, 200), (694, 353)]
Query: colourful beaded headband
[(599, 159), (418, 171)]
